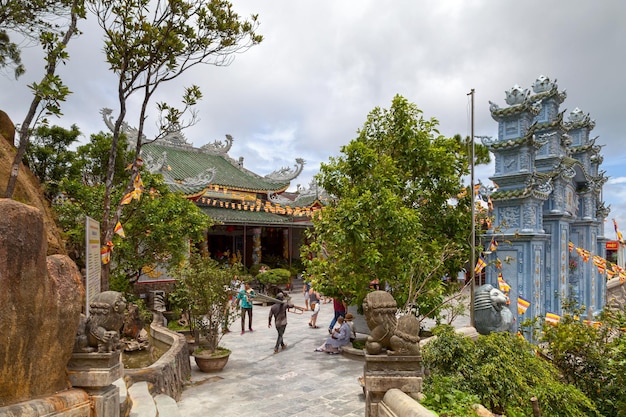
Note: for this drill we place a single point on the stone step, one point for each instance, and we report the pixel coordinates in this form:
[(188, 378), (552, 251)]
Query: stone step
[(166, 406), (144, 405), (142, 402)]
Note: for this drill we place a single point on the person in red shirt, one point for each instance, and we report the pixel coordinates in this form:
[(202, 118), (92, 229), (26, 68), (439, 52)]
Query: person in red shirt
[(340, 311)]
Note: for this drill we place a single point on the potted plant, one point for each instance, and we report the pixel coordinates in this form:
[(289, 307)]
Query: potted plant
[(207, 286)]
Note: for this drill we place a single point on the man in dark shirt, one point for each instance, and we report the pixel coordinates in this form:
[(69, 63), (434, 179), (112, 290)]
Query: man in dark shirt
[(279, 312)]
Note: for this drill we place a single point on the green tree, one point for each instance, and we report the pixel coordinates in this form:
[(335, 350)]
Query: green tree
[(27, 19), (150, 42), (395, 216), (49, 157), (157, 227), (50, 91)]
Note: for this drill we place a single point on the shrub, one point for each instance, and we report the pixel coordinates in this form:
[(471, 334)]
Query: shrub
[(591, 357), (275, 276), (442, 395), (504, 372)]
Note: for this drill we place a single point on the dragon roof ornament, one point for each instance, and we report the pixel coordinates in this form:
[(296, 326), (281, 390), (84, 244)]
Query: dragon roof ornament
[(202, 179), (174, 137), (566, 140), (287, 173), (158, 165), (278, 199), (540, 140), (219, 147), (130, 132), (603, 211), (567, 173), (539, 186), (487, 140)]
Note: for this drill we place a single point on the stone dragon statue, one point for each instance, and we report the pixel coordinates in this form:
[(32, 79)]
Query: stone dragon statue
[(490, 311)]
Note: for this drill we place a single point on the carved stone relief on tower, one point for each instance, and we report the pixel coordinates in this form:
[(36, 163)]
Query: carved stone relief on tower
[(524, 162), (510, 163), (530, 217), (510, 217), (558, 199)]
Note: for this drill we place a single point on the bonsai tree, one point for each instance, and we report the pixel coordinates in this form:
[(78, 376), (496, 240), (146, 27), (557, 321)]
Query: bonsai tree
[(206, 286)]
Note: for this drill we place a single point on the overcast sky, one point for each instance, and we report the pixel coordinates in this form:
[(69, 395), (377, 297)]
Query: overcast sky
[(324, 65)]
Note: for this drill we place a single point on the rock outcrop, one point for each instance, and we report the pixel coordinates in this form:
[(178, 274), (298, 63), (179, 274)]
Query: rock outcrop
[(27, 189), (40, 304)]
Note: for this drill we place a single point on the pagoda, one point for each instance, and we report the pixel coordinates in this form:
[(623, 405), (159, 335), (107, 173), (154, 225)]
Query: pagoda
[(547, 205), (256, 218)]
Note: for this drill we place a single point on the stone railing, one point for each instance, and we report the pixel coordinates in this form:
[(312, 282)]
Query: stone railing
[(396, 403), (168, 374)]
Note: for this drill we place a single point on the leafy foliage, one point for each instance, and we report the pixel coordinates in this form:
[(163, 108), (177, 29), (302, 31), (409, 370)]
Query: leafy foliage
[(157, 227), (393, 218), (28, 19), (49, 157), (442, 395), (504, 372), (276, 276), (50, 91), (150, 42), (592, 358)]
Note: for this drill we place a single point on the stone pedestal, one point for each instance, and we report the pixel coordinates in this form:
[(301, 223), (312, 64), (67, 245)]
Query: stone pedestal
[(105, 401), (382, 373), (94, 370), (95, 373)]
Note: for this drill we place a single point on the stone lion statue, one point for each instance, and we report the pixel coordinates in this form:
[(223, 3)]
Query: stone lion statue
[(101, 330), (490, 311), (379, 308), (405, 339)]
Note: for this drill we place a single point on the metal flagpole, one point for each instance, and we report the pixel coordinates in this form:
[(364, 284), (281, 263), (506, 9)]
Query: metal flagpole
[(473, 234)]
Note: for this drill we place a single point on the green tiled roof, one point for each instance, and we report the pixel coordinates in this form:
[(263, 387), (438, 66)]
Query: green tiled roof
[(230, 216), (189, 163)]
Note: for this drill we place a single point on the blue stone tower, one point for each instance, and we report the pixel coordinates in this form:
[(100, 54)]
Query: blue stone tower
[(549, 194)]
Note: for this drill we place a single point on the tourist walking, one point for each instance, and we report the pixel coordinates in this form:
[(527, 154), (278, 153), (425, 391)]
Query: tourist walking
[(305, 292), (339, 338), (339, 306), (279, 312), (245, 297), (314, 299)]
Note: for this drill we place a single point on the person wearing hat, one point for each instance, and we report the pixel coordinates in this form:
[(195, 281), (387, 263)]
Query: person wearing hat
[(350, 321), (279, 312)]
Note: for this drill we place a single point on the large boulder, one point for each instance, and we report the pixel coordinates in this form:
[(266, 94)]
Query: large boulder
[(28, 189), (40, 303)]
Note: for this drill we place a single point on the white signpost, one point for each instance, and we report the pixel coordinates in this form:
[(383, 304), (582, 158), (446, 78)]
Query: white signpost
[(93, 259)]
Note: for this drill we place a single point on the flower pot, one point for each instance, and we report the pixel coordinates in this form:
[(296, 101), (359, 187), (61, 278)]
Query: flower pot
[(212, 362)]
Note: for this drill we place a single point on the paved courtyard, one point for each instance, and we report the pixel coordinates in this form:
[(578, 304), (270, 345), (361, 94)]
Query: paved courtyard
[(297, 382)]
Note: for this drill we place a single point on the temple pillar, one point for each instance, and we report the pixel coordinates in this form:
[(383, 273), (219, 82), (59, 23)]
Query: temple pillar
[(286, 243), (256, 245)]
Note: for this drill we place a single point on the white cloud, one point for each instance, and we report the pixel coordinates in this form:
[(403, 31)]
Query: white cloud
[(324, 65)]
